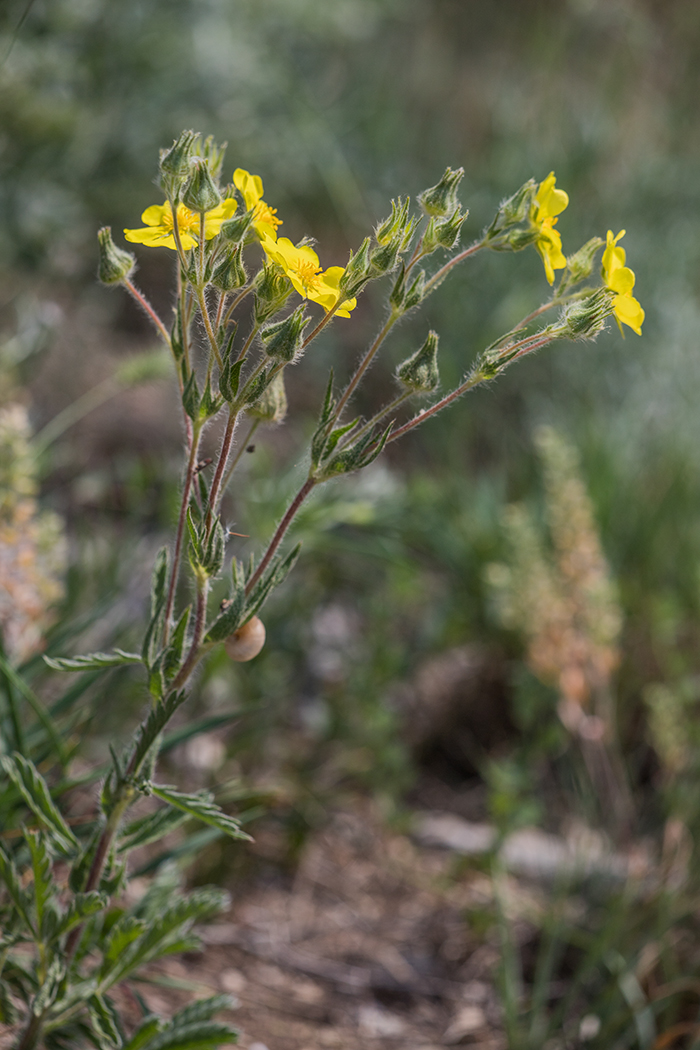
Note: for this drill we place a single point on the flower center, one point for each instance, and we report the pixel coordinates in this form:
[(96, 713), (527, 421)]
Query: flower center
[(264, 213), (307, 273)]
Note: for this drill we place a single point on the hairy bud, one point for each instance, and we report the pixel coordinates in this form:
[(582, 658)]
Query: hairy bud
[(175, 162), (513, 210), (585, 318), (236, 228), (201, 193), (282, 339), (115, 264), (579, 266), (272, 289), (356, 273), (230, 273), (393, 226), (420, 372), (441, 200)]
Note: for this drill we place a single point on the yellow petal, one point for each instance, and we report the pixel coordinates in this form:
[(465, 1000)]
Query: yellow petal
[(155, 237), (621, 280), (249, 185), (550, 200), (630, 312), (153, 216), (613, 257)]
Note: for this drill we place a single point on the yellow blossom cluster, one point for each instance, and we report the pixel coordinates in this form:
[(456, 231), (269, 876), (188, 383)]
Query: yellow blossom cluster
[(300, 263), (548, 204)]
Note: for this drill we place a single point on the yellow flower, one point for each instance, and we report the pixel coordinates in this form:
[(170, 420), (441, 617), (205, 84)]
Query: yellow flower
[(158, 232), (265, 218), (549, 202), (621, 279), (303, 269)]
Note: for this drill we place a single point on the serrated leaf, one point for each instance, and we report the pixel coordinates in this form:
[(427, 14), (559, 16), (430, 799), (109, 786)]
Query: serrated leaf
[(82, 906), (202, 807), (92, 661), (202, 1010), (154, 631), (41, 869), (36, 794), (205, 1035), (149, 731), (102, 1019), (10, 879), (163, 933), (123, 934), (173, 654), (50, 988), (229, 620), (150, 829), (150, 1026)]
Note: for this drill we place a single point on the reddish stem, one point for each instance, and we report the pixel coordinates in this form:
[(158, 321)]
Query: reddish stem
[(281, 530)]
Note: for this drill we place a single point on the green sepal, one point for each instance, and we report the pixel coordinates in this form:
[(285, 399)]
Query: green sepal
[(229, 620), (190, 397)]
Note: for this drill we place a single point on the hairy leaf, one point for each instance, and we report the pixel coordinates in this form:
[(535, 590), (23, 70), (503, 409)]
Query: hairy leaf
[(36, 794), (150, 829), (202, 807), (92, 661)]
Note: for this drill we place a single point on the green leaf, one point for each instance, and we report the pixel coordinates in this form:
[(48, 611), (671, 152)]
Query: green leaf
[(230, 618), (149, 730), (104, 1021), (190, 397), (150, 829), (202, 807), (173, 654), (10, 879), (163, 934), (150, 1026), (123, 934), (92, 661), (203, 1035), (159, 583), (36, 794), (202, 1010), (41, 869), (50, 988), (81, 907)]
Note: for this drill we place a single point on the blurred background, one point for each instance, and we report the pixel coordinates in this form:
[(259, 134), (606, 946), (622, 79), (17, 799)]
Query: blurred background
[(392, 609)]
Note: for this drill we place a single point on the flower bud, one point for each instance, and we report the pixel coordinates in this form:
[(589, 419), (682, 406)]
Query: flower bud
[(236, 228), (447, 232), (230, 273), (384, 257), (442, 199), (272, 289), (580, 265), (395, 224), (585, 318), (115, 264), (175, 162), (356, 274), (514, 210), (405, 296), (420, 372), (282, 339), (201, 193), (272, 406), (213, 154)]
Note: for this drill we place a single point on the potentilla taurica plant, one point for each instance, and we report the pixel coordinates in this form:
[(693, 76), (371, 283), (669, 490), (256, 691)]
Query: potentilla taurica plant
[(68, 937)]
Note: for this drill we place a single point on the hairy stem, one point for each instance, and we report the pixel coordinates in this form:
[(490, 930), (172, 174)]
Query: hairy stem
[(145, 305), (450, 264), (182, 517), (221, 465), (365, 363), (197, 637), (242, 447), (280, 532), (468, 384)]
